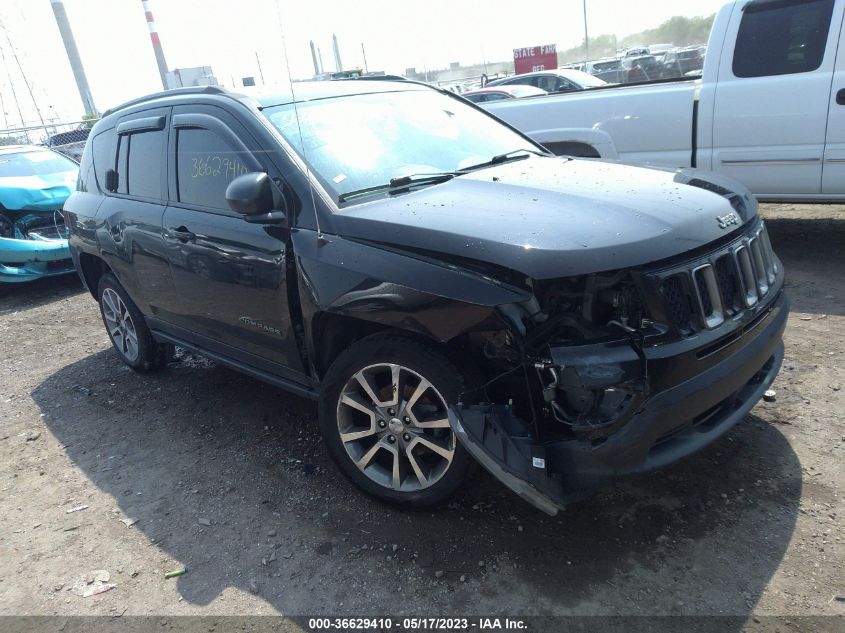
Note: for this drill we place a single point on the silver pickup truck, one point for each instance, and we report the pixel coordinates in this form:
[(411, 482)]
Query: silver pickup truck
[(768, 110)]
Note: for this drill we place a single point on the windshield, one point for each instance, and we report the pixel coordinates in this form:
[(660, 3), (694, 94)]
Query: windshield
[(361, 141), (34, 163)]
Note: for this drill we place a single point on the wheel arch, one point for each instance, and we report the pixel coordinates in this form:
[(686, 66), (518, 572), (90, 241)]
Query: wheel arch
[(92, 269), (587, 143)]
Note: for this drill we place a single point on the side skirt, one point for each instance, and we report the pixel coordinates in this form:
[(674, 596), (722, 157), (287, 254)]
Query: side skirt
[(299, 389)]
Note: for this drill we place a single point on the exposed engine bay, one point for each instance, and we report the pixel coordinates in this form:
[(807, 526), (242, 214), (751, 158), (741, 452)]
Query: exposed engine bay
[(586, 393)]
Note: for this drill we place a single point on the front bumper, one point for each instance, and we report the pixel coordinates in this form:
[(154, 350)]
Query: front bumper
[(709, 396), (26, 260)]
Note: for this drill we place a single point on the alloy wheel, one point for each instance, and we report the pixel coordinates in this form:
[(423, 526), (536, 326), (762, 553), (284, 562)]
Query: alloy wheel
[(119, 324), (394, 426)]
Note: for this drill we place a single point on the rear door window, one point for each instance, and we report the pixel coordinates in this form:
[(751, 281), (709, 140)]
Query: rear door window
[(782, 37), (139, 164), (146, 151)]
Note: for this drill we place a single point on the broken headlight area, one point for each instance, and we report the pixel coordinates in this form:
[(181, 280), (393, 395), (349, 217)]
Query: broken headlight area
[(571, 357)]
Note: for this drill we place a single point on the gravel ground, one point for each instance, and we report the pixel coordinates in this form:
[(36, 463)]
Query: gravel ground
[(202, 467)]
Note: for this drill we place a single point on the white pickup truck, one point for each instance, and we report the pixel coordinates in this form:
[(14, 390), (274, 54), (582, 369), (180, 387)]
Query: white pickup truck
[(768, 110)]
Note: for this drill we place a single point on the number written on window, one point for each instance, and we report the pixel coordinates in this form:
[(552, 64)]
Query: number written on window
[(217, 166), (205, 165)]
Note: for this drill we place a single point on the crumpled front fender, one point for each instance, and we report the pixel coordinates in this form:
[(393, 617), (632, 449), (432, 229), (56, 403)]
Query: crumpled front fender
[(395, 289)]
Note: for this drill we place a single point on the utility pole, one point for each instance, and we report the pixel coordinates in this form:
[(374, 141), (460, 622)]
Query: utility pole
[(73, 57), (586, 36), (364, 53), (157, 49)]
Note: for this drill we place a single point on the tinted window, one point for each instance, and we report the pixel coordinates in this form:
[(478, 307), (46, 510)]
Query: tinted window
[(105, 150), (783, 37), (205, 165), (145, 152)]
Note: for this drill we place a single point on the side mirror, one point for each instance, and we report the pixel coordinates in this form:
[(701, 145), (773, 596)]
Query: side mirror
[(111, 180), (250, 194)]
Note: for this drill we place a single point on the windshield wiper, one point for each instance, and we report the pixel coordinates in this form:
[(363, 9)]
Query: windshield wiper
[(401, 183), (498, 159)]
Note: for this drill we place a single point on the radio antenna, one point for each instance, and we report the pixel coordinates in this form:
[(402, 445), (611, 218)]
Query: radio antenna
[(298, 126)]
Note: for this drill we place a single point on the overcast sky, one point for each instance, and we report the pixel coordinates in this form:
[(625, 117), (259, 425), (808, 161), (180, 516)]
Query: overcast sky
[(114, 43)]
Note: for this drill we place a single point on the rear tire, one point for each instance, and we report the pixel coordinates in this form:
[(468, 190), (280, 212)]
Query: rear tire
[(128, 330), (383, 417)]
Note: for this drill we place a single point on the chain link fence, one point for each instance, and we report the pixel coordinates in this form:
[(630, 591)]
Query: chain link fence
[(66, 138)]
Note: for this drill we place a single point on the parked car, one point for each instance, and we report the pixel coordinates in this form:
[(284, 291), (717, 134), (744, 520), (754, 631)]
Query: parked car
[(443, 287), (642, 68), (34, 184), (560, 80), (766, 111), (608, 70), (659, 50), (496, 93), (681, 62)]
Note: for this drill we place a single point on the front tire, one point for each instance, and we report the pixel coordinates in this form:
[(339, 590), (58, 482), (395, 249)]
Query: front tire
[(383, 417), (128, 330)]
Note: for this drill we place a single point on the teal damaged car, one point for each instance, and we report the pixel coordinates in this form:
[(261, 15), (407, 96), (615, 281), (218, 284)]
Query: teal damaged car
[(34, 184)]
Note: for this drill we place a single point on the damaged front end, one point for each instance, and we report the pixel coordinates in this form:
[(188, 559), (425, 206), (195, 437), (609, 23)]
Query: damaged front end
[(604, 375), (33, 244)]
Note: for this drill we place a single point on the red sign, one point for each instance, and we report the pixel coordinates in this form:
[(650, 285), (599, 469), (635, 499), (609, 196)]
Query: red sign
[(529, 60)]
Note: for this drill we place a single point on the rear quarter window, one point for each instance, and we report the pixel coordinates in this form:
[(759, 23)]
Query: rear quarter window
[(146, 151), (104, 147), (782, 37)]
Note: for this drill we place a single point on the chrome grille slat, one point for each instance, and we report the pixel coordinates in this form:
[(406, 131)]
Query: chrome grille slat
[(768, 255), (747, 277), (710, 307), (760, 273)]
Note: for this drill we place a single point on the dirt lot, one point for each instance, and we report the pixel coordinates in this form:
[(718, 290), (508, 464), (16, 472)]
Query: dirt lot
[(227, 476)]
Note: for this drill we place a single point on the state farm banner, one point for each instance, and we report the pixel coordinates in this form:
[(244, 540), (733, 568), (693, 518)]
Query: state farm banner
[(527, 60)]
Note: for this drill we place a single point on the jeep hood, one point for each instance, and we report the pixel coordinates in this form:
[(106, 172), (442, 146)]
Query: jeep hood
[(37, 193), (553, 217)]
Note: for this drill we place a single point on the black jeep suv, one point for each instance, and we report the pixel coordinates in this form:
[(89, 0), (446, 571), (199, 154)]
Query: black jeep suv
[(447, 290)]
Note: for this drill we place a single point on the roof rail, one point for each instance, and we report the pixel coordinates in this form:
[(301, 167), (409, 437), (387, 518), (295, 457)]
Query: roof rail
[(189, 90)]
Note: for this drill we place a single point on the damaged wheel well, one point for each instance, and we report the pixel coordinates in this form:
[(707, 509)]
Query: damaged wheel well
[(93, 268), (333, 333)]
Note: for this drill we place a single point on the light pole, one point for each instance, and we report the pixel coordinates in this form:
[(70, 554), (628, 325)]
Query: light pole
[(586, 37)]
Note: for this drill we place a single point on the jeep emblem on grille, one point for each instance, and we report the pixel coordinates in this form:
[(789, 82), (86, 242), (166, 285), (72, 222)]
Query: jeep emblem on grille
[(727, 220)]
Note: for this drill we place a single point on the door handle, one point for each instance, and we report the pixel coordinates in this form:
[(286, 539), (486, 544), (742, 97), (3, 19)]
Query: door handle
[(182, 234), (840, 97)]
